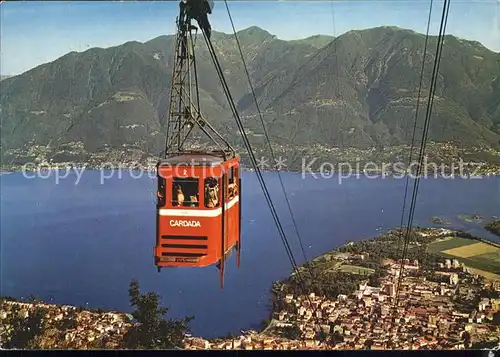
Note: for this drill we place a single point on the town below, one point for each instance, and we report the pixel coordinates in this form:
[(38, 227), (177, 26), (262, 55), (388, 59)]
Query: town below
[(444, 295), (442, 158)]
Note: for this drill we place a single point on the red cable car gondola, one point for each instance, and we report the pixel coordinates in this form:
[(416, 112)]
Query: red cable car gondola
[(198, 210)]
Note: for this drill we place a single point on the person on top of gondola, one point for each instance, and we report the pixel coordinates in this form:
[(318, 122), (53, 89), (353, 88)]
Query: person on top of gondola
[(199, 10)]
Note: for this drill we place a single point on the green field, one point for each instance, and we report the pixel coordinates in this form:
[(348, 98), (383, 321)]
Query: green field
[(449, 243), (476, 262), (354, 269), (489, 262), (493, 257)]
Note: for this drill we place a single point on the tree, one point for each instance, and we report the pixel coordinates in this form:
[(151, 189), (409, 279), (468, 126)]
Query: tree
[(466, 338), (374, 279), (264, 323), (32, 299), (337, 337), (152, 330), (496, 318), (7, 298), (68, 322), (24, 331), (292, 332), (229, 336)]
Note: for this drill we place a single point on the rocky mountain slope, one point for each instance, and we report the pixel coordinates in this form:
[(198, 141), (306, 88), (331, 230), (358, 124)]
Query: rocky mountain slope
[(358, 90), (361, 90)]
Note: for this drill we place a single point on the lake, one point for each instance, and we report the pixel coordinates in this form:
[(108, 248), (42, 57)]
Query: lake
[(82, 244)]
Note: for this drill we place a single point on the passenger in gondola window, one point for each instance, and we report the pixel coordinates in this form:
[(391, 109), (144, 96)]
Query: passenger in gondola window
[(178, 195), (160, 194), (211, 192), (193, 201), (232, 189), (185, 192)]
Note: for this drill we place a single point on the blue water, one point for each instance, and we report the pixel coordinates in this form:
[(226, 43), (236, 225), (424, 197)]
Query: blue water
[(82, 244)]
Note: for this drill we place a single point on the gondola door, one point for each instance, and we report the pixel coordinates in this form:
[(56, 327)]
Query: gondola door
[(223, 248), (227, 216)]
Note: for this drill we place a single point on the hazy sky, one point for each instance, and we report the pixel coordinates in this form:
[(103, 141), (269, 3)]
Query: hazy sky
[(33, 33)]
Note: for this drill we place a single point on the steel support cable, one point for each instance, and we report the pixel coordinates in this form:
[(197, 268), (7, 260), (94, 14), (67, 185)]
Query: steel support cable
[(427, 121), (249, 148), (256, 167), (439, 48), (416, 111), (270, 145), (430, 105), (272, 153), (266, 132), (410, 158), (430, 102)]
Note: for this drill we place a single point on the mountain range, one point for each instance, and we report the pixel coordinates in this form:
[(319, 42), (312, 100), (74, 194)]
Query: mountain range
[(358, 90)]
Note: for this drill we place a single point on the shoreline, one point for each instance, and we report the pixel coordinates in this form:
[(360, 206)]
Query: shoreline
[(466, 235), (274, 293), (330, 174), (291, 292), (493, 227)]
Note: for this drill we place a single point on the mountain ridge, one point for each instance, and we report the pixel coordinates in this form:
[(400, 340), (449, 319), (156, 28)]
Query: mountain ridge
[(119, 95)]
